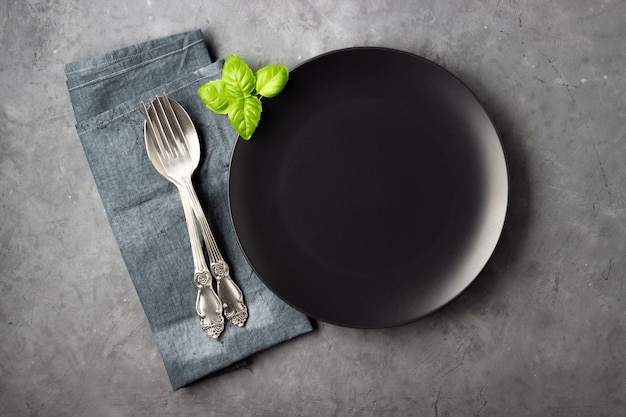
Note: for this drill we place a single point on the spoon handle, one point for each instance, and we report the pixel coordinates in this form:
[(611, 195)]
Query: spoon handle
[(208, 304), (233, 304)]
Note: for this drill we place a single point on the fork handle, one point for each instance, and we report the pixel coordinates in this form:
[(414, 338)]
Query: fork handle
[(208, 304), (233, 304)]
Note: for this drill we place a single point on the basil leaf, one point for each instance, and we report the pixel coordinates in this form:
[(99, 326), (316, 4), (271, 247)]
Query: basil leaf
[(271, 80), (238, 74), (216, 95), (244, 114), (237, 93)]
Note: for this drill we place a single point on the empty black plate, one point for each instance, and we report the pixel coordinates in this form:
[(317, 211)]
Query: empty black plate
[(374, 190)]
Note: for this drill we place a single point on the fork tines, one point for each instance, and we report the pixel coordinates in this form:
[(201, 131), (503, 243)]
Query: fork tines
[(163, 123)]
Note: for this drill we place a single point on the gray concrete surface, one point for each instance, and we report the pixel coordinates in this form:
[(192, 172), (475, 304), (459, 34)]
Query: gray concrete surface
[(542, 332)]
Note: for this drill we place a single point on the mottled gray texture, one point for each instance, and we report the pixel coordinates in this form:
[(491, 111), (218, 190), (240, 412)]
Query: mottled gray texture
[(541, 332)]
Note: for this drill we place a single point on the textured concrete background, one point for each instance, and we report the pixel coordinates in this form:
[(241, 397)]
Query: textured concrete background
[(541, 332)]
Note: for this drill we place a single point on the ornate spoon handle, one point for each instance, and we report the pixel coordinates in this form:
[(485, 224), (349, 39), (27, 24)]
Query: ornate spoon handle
[(233, 305), (208, 304)]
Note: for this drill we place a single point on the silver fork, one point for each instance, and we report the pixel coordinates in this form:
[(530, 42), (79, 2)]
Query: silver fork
[(168, 158), (175, 125)]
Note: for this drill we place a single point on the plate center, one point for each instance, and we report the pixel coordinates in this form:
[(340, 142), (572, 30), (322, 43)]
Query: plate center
[(376, 186)]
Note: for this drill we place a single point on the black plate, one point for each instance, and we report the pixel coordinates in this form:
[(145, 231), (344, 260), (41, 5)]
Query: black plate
[(374, 190)]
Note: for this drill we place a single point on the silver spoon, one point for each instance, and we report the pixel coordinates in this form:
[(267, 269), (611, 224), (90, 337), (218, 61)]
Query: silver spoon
[(178, 124), (165, 159)]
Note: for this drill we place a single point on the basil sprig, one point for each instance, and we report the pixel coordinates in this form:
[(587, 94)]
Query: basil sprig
[(237, 93)]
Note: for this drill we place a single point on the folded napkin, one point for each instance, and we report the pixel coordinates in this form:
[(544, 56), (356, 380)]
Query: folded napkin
[(144, 209)]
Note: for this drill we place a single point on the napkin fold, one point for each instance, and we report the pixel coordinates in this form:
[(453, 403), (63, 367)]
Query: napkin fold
[(144, 209)]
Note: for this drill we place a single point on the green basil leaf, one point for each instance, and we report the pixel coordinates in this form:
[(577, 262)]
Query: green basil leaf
[(216, 95), (271, 80), (244, 114), (238, 74), (236, 94)]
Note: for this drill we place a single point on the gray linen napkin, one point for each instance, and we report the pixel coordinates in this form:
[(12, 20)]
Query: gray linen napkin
[(144, 209)]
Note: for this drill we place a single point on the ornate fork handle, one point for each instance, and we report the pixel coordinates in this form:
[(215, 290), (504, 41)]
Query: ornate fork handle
[(233, 305), (208, 305)]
